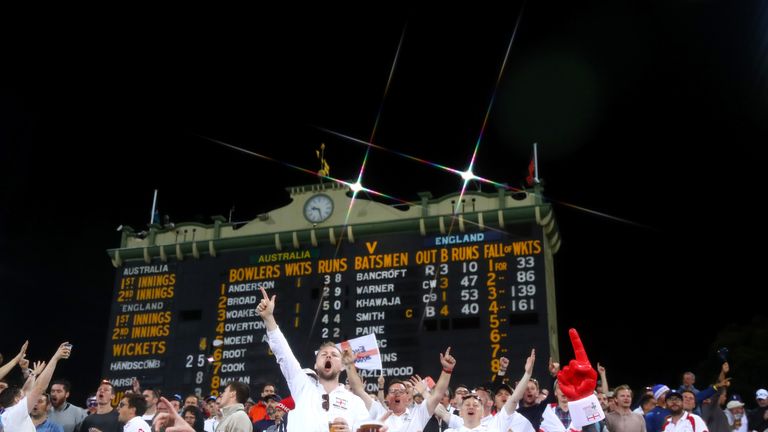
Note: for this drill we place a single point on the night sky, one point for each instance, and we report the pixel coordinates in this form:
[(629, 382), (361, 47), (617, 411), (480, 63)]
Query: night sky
[(650, 115)]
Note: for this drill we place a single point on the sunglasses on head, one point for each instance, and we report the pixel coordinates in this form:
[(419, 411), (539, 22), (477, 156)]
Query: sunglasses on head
[(471, 396)]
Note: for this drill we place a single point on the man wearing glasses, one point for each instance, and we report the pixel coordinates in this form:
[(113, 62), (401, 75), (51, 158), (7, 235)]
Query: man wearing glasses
[(321, 405), (403, 417), (461, 391), (130, 410)]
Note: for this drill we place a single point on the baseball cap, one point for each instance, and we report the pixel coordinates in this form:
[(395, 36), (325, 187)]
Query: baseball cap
[(177, 397), (734, 404), (273, 397), (503, 386), (761, 394), (281, 406), (211, 398), (674, 394), (659, 390), (486, 388)]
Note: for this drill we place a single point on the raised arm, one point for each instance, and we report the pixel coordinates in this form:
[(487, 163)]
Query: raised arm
[(42, 381), (380, 381), (448, 362), (603, 379), (501, 376), (522, 386), (724, 369), (266, 310), (30, 376), (169, 420), (356, 384), (289, 365), (6, 368), (136, 385)]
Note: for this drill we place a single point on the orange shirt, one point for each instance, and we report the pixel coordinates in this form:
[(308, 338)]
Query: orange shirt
[(258, 412)]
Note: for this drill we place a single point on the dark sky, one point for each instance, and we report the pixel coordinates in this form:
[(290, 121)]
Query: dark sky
[(652, 112)]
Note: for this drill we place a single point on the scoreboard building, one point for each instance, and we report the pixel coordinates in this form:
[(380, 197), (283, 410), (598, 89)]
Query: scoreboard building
[(476, 275)]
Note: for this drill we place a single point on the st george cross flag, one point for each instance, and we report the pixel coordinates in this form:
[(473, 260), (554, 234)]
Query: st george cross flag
[(366, 351)]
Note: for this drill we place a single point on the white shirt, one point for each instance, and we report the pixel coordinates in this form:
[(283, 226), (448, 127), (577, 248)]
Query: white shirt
[(209, 425), (17, 419), (744, 423), (136, 424), (687, 423), (550, 422), (309, 415), (412, 420), (520, 423), (501, 422)]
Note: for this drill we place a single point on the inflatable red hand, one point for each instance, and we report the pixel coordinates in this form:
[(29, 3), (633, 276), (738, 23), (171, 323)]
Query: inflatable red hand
[(578, 379)]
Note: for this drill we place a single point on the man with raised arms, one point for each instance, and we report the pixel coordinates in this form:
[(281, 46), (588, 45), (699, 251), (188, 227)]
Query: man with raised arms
[(320, 402), (472, 410), (403, 418), (18, 404)]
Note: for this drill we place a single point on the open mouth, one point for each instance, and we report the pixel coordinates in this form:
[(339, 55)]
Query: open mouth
[(327, 364)]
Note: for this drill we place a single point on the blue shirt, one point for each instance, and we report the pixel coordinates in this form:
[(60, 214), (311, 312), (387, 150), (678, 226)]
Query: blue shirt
[(655, 418), (49, 426)]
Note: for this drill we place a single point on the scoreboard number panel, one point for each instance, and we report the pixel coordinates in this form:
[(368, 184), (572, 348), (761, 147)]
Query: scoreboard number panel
[(191, 326)]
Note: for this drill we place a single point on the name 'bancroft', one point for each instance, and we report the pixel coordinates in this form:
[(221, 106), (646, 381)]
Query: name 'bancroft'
[(382, 274)]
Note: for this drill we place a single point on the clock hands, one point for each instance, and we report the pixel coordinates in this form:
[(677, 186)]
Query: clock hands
[(318, 208)]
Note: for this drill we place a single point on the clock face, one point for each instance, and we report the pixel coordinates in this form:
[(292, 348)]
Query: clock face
[(318, 208)]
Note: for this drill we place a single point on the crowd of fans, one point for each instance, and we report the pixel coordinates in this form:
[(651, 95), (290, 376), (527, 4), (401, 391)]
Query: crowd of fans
[(319, 402)]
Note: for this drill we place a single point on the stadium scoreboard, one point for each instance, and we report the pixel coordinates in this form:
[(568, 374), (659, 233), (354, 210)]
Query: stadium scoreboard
[(184, 314)]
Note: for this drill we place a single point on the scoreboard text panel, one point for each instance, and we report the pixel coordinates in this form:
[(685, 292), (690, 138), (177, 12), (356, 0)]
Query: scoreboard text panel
[(191, 325)]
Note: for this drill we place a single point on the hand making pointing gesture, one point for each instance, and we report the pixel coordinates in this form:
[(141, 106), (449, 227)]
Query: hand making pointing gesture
[(266, 310), (577, 381)]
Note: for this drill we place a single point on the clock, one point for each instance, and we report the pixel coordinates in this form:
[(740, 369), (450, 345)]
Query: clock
[(318, 208)]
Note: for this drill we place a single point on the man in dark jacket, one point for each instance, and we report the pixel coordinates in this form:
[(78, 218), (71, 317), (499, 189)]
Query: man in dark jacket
[(757, 419)]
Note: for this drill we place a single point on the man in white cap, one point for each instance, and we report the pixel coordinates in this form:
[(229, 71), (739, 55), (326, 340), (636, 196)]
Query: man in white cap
[(758, 418), (734, 410)]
